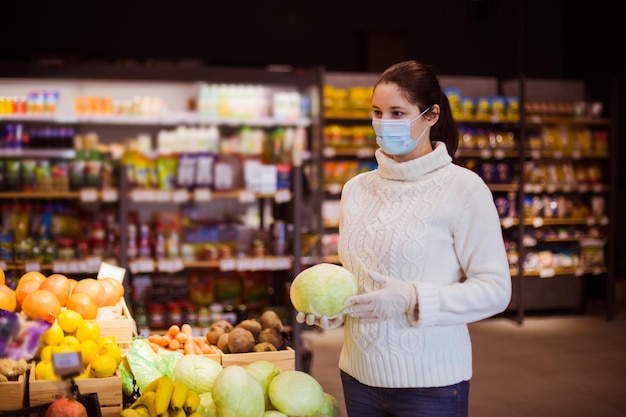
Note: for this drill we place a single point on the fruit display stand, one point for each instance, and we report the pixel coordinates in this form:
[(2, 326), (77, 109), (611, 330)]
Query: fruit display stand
[(109, 392), (122, 328), (13, 393), (285, 359)]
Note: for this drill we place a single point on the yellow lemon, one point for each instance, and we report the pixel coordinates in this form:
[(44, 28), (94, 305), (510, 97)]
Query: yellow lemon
[(103, 366), (45, 370), (108, 346), (62, 349), (54, 335), (72, 342), (69, 320), (46, 354), (88, 350), (88, 330)]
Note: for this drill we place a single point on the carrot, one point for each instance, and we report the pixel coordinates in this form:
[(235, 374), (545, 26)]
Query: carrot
[(173, 331), (186, 328), (165, 340), (197, 347), (174, 344), (154, 338), (182, 337), (188, 348), (154, 346)]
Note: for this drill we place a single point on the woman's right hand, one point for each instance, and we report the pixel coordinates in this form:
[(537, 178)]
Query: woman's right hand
[(323, 322)]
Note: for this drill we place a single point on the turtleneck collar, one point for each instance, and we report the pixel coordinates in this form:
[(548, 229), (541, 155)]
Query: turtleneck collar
[(414, 169)]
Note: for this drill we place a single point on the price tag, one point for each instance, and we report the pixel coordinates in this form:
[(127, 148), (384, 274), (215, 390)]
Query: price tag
[(92, 263), (335, 188), (228, 265), (67, 364), (108, 270), (485, 154), (597, 188), (583, 188), (3, 265), (282, 196), (546, 273), (529, 242), (88, 195), (557, 154), (604, 220), (507, 222), (243, 264), (163, 196), (567, 188), (283, 262), (257, 264), (499, 154), (579, 271), (32, 266), (110, 195), (60, 267), (180, 196), (551, 188), (246, 196), (138, 195), (202, 194), (576, 155), (535, 154), (596, 271), (147, 265), (73, 267), (135, 266), (329, 152), (365, 153), (537, 222)]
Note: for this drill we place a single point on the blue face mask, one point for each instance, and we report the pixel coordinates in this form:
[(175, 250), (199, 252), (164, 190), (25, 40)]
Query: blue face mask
[(394, 136)]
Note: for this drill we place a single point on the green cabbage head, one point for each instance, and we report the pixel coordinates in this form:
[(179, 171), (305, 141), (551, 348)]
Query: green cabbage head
[(330, 406), (207, 407), (263, 372), (321, 289), (296, 393), (237, 394), (198, 372)]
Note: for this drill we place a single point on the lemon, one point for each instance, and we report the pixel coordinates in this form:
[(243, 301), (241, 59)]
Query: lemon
[(54, 335), (72, 342), (108, 346), (45, 370), (103, 366), (46, 354), (88, 330), (69, 320), (88, 350)]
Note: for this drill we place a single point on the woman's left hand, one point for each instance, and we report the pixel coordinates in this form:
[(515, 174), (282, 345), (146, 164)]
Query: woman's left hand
[(394, 298)]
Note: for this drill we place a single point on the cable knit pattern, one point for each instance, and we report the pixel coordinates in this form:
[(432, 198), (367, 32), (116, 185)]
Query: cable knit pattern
[(428, 222)]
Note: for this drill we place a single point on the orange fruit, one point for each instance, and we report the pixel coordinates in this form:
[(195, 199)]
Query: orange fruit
[(2, 278), (24, 288), (93, 288), (36, 275), (111, 293), (115, 283), (59, 285), (41, 304), (72, 284), (7, 298), (83, 304)]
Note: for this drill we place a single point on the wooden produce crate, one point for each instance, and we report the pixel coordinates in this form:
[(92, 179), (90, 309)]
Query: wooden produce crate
[(13, 394), (285, 359), (123, 328), (109, 392)]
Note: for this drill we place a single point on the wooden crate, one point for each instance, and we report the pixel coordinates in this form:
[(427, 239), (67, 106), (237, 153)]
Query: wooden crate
[(285, 359), (13, 394), (123, 328), (109, 392)]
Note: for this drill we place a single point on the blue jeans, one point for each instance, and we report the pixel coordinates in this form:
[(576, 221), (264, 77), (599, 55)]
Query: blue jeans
[(365, 401)]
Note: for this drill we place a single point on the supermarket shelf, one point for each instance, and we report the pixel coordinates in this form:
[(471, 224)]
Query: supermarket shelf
[(38, 153), (85, 195), (554, 120)]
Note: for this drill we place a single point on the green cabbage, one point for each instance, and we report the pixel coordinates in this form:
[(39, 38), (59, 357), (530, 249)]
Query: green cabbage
[(274, 413), (296, 393), (198, 372), (237, 394), (330, 407), (321, 289), (263, 372), (207, 407)]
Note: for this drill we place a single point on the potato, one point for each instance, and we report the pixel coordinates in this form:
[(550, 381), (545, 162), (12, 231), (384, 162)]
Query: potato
[(240, 340), (214, 333), (224, 325), (252, 325), (270, 319), (273, 336), (222, 343), (264, 347)]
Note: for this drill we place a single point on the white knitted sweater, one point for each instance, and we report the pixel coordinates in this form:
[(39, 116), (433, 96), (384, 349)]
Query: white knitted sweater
[(429, 222)]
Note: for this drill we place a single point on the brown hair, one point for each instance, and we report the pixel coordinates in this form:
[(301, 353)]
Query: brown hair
[(420, 86)]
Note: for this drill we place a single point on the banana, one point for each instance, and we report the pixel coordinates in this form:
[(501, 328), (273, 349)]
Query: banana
[(163, 396), (192, 402), (179, 395), (148, 401), (177, 413), (142, 411), (129, 412), (194, 414), (152, 386)]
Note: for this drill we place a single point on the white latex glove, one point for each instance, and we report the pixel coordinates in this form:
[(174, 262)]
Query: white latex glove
[(323, 321), (394, 298)]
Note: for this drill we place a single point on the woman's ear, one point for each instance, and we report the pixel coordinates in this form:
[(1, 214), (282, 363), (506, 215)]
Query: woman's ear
[(432, 116)]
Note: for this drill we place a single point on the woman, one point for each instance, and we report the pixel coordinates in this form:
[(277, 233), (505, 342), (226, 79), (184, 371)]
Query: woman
[(423, 238)]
